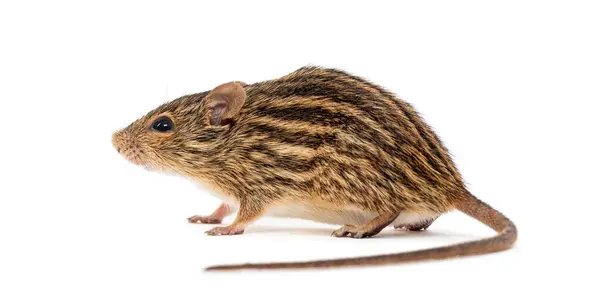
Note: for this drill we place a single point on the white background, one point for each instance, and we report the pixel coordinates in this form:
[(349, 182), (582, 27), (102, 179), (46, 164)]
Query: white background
[(512, 88)]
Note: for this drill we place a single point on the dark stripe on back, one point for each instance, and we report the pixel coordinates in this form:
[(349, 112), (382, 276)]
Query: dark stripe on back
[(319, 85), (300, 137), (423, 131)]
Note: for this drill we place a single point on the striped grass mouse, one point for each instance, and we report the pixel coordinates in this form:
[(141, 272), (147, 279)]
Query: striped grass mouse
[(317, 144)]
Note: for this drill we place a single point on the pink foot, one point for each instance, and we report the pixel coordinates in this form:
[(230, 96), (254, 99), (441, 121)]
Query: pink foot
[(420, 226), (216, 231), (197, 219)]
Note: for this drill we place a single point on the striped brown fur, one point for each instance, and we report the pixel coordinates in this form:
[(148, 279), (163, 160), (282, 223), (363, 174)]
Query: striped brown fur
[(318, 139)]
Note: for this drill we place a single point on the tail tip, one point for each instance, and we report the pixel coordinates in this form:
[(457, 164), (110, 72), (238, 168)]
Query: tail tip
[(214, 268), (222, 268)]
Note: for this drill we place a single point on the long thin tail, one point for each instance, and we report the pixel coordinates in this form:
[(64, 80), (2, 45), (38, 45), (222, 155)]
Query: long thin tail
[(506, 237)]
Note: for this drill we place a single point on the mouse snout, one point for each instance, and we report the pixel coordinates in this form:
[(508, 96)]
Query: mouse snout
[(115, 142), (120, 141), (127, 146)]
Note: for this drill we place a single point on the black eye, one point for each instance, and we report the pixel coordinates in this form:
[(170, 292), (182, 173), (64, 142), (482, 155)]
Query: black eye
[(163, 124)]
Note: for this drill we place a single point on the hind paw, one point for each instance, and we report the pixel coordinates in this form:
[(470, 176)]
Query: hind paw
[(353, 231), (421, 226)]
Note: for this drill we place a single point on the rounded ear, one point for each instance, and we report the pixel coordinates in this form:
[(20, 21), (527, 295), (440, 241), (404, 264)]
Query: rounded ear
[(224, 102)]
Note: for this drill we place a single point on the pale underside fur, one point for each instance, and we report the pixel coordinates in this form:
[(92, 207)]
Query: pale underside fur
[(345, 216), (319, 211)]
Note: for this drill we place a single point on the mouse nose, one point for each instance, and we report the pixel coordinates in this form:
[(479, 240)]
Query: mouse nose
[(115, 142)]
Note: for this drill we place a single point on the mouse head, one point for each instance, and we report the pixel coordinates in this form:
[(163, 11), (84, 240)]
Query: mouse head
[(184, 135)]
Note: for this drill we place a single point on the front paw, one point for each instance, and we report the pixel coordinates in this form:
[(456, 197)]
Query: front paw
[(224, 231), (197, 219)]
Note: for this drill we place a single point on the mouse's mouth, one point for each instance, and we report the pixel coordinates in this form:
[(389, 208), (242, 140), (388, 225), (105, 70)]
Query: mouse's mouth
[(134, 157)]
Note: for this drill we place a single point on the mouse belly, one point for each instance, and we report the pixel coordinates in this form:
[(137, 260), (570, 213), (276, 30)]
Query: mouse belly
[(320, 214), (336, 216)]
